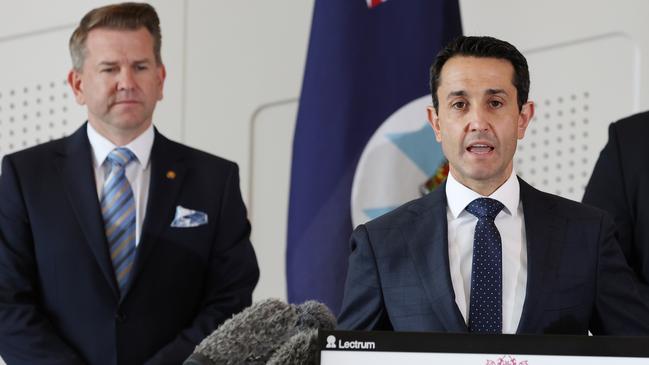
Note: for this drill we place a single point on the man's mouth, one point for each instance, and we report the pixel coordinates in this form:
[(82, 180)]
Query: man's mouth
[(480, 148)]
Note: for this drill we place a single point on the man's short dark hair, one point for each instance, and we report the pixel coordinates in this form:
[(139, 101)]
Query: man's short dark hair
[(482, 47), (124, 16)]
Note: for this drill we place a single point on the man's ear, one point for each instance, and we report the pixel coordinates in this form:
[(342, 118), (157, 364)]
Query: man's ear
[(524, 118), (75, 82), (433, 120), (162, 75)]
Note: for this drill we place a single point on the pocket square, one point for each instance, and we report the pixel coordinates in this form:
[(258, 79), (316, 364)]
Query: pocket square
[(186, 218)]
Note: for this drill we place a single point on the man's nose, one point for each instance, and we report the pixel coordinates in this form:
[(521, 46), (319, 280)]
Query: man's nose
[(126, 79), (478, 120)]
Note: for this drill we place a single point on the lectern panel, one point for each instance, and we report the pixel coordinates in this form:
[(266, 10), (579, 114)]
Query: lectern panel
[(377, 348)]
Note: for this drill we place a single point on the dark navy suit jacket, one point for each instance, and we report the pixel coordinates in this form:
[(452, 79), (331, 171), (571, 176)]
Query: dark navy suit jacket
[(59, 301), (399, 279), (620, 185)]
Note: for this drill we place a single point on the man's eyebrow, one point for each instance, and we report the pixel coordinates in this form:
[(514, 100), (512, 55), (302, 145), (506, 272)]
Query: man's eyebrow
[(456, 93), (495, 91), (107, 63), (114, 63), (463, 93)]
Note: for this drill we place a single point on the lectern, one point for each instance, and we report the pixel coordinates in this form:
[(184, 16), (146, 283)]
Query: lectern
[(418, 348)]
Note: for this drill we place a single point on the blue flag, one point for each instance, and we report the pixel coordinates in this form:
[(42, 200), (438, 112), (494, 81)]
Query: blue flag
[(366, 60)]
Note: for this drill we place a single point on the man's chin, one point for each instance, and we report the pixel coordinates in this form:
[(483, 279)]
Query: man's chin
[(123, 126), (489, 177), (130, 122), (483, 174)]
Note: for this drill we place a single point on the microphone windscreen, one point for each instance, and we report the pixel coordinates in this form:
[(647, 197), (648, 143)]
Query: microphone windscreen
[(251, 336), (301, 349), (313, 314)]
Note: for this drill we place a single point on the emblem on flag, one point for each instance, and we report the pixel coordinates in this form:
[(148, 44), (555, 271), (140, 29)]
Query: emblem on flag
[(374, 3), (401, 162)]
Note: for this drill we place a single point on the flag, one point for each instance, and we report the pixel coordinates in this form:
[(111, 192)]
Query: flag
[(367, 61)]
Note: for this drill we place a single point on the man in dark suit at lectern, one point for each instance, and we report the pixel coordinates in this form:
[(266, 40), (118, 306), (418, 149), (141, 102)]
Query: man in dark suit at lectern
[(486, 252), (117, 245)]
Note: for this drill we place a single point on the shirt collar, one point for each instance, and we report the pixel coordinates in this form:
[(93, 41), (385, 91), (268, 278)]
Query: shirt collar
[(101, 146), (459, 196)]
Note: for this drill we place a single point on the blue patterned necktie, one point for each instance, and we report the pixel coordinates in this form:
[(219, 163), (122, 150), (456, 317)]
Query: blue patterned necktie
[(118, 210), (485, 308)]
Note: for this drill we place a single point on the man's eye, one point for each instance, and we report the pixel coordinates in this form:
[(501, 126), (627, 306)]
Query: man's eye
[(495, 103), (108, 70), (459, 105), (141, 67)]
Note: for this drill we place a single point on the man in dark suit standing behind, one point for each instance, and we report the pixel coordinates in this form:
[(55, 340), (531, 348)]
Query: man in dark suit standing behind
[(620, 185), (117, 245), (486, 252)]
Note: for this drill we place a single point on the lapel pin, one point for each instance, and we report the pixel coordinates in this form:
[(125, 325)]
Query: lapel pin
[(171, 175)]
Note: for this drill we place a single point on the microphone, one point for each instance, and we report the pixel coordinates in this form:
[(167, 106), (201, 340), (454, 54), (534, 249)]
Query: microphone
[(253, 335), (313, 314), (301, 349)]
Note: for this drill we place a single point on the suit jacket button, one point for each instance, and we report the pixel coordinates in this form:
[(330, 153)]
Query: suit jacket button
[(120, 317)]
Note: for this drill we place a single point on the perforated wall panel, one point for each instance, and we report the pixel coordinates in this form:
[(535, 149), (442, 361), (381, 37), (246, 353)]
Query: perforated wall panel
[(574, 105)]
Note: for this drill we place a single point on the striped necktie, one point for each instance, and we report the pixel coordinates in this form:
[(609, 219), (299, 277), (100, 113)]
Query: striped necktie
[(485, 307), (118, 210)]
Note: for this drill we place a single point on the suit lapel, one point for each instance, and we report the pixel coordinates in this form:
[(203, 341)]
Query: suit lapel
[(427, 239), (167, 174), (76, 169), (543, 230)]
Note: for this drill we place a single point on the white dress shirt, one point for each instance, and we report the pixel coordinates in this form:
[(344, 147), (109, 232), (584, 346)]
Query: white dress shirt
[(511, 225), (138, 172)]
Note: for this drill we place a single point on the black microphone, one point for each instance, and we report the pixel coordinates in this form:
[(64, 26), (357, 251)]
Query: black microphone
[(253, 335)]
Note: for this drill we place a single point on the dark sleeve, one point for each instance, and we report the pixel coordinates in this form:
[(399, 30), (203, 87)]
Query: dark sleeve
[(233, 274), (606, 190), (27, 335), (622, 301), (363, 307)]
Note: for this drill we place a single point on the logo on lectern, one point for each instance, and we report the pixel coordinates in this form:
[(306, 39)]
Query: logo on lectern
[(351, 345), (331, 342), (506, 360)]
